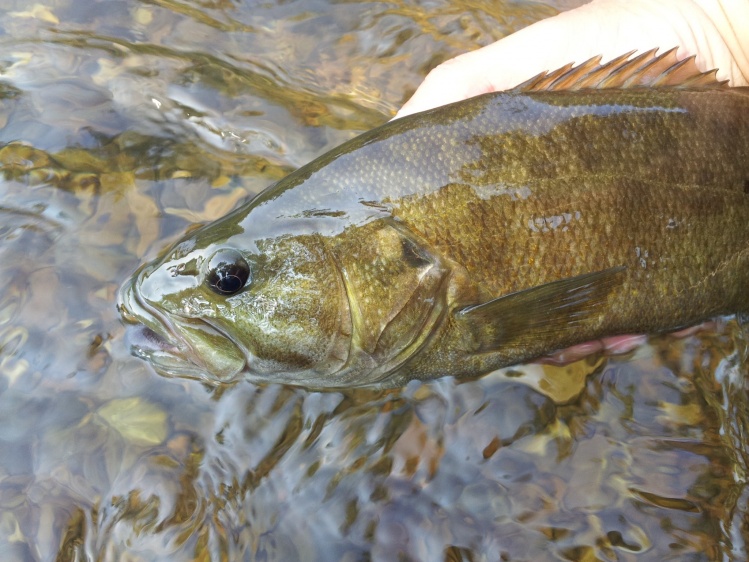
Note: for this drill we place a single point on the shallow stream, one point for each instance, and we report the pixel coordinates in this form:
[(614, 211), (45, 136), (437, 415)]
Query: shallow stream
[(124, 121)]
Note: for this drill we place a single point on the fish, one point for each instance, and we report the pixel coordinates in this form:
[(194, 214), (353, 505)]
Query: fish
[(592, 201)]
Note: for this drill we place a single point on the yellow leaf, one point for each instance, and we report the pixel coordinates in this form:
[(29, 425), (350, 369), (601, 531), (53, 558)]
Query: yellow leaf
[(680, 414), (146, 214), (214, 208), (38, 12), (564, 383), (137, 420)]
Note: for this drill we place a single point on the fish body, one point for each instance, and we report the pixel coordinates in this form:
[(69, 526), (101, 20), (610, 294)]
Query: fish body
[(466, 238)]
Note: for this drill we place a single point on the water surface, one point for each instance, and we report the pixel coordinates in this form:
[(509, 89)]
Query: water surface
[(121, 123)]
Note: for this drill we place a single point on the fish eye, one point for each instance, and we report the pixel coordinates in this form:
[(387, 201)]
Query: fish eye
[(227, 272)]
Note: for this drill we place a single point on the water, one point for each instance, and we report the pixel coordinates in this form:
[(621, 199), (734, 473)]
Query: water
[(122, 123)]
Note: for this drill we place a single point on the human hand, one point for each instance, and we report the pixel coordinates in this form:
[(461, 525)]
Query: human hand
[(715, 31)]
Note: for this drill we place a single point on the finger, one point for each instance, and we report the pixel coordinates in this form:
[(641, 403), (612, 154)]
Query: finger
[(499, 66)]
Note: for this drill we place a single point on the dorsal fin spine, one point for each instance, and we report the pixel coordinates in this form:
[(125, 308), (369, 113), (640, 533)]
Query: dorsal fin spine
[(644, 70)]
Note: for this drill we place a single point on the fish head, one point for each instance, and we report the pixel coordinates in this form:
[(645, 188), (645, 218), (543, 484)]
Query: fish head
[(222, 305), (310, 306)]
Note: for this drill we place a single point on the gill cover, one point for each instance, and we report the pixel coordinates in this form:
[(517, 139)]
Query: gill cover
[(396, 287)]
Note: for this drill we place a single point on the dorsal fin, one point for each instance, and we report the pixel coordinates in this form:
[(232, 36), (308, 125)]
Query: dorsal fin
[(645, 70)]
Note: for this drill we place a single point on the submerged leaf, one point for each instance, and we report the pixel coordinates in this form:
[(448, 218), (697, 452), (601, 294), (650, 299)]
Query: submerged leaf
[(38, 11), (681, 414), (137, 420)]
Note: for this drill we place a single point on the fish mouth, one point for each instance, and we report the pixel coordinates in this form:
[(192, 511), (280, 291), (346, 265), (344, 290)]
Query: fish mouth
[(161, 340), (168, 359), (143, 337)]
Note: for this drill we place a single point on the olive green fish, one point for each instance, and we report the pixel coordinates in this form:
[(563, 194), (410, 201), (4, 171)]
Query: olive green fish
[(469, 237)]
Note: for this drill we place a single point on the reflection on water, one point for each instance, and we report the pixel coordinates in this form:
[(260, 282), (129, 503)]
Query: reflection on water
[(123, 122)]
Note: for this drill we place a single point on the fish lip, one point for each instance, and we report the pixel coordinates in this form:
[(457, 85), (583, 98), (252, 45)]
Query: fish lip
[(136, 310), (155, 338)]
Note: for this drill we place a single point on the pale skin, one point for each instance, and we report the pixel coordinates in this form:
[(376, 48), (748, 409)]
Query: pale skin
[(716, 32)]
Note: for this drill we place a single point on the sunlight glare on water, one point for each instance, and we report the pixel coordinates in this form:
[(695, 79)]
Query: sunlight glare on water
[(123, 122)]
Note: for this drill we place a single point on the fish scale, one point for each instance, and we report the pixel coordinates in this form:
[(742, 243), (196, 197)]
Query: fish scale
[(473, 236)]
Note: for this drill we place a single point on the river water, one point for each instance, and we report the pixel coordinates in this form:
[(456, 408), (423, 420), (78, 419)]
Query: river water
[(121, 123)]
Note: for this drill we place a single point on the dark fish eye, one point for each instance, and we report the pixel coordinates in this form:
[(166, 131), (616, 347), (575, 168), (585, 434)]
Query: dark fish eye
[(227, 272)]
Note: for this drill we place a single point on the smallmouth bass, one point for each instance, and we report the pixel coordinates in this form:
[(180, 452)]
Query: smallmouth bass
[(466, 238)]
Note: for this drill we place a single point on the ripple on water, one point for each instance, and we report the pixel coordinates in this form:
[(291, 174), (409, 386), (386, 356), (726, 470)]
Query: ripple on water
[(124, 121)]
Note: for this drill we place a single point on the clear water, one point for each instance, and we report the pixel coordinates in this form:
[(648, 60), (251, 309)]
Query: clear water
[(121, 123)]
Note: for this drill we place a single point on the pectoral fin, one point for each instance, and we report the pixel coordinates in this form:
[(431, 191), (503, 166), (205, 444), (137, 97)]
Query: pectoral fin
[(534, 313)]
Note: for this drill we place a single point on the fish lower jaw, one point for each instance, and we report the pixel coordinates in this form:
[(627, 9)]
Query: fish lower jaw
[(174, 364), (177, 359), (144, 338)]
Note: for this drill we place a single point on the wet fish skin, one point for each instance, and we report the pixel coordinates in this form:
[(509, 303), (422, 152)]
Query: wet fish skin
[(470, 237)]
